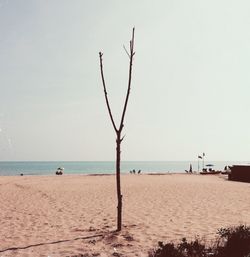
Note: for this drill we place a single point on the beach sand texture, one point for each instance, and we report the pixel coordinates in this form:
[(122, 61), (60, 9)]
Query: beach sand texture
[(72, 214)]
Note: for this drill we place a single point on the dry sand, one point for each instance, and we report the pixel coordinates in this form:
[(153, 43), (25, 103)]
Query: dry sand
[(68, 215)]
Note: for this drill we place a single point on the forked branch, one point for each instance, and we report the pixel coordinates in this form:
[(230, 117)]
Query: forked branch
[(130, 55), (106, 94)]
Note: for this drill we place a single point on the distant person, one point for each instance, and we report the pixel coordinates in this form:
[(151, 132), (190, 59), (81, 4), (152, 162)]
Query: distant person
[(190, 168)]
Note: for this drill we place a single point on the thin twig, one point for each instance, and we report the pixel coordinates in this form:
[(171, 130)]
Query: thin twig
[(126, 51), (122, 138)]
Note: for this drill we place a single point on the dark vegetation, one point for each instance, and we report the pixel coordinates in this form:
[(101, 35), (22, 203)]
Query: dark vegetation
[(232, 242)]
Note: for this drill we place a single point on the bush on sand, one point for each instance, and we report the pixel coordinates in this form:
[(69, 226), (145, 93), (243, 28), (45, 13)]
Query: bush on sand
[(232, 242)]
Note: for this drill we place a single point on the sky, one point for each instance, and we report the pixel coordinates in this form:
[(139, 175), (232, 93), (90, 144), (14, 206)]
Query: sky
[(190, 83)]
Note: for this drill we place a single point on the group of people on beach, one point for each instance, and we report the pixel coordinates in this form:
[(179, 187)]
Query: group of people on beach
[(59, 171), (134, 171)]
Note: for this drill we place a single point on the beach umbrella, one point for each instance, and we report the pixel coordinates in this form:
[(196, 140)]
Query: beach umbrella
[(209, 165)]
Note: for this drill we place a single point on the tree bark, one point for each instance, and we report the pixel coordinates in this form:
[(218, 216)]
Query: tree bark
[(118, 181)]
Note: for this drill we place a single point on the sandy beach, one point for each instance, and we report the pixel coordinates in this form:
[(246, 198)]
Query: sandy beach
[(69, 215)]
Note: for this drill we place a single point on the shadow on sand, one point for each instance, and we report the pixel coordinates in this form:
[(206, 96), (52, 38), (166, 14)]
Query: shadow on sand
[(48, 243)]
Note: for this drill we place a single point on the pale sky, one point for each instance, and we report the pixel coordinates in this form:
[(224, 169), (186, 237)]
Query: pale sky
[(190, 86)]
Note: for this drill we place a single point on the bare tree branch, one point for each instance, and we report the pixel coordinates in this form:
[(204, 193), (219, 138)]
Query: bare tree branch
[(106, 94), (122, 138), (126, 51), (129, 79)]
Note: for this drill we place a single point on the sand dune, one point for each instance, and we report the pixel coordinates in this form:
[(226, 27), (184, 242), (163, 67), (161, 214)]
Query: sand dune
[(68, 215)]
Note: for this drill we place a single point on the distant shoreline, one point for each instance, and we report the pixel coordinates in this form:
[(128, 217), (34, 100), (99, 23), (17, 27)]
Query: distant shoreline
[(108, 174), (48, 168)]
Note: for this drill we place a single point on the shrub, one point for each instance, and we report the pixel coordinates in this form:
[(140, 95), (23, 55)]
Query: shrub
[(166, 250), (233, 242), (236, 241), (192, 249)]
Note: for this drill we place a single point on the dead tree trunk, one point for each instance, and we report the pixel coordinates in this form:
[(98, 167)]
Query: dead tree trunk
[(118, 181), (118, 130)]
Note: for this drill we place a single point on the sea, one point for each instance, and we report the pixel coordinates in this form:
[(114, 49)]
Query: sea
[(13, 168)]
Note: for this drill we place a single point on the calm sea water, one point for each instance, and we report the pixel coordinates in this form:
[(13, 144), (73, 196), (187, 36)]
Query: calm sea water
[(49, 168)]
